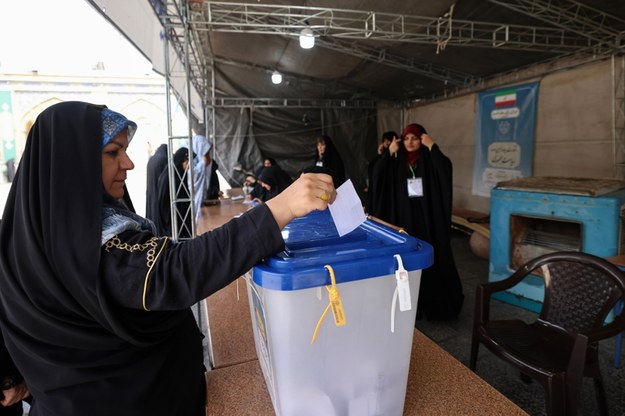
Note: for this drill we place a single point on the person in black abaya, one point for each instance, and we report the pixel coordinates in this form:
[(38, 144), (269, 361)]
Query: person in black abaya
[(156, 165), (271, 181), (182, 203), (268, 161), (328, 160), (387, 139), (94, 307), (412, 189)]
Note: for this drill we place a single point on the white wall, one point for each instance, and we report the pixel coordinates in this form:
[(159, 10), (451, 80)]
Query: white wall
[(573, 129)]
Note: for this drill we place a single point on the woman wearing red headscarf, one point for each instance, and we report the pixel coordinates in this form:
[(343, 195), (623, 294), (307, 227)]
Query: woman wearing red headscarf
[(413, 190)]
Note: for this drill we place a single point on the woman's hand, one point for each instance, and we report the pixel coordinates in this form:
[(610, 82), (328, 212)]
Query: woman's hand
[(394, 146), (427, 141), (309, 192), (381, 148)]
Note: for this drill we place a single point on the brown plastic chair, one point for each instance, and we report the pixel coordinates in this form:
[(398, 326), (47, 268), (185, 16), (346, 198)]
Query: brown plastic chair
[(560, 347)]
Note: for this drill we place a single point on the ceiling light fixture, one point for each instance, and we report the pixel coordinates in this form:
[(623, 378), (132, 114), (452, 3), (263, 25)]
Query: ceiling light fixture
[(306, 39), (276, 77)]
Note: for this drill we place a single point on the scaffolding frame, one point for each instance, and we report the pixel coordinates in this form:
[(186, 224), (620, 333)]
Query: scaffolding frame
[(618, 116), (573, 30)]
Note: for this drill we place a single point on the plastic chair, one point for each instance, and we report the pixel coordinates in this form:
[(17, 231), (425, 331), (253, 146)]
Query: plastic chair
[(618, 344), (560, 347)]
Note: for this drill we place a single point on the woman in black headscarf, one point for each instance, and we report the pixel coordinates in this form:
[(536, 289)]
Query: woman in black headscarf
[(328, 160), (268, 161), (412, 189), (183, 202), (94, 308), (271, 181), (157, 163)]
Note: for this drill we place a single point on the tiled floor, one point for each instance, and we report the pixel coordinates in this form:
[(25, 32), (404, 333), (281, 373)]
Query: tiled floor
[(455, 337)]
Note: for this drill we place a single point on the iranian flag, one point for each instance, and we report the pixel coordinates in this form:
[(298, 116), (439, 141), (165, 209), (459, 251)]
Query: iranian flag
[(505, 98)]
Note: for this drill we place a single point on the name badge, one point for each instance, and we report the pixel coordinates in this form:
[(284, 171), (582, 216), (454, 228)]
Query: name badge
[(415, 187)]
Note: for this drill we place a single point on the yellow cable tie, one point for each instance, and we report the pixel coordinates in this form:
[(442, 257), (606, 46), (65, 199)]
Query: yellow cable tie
[(336, 304), (323, 316)]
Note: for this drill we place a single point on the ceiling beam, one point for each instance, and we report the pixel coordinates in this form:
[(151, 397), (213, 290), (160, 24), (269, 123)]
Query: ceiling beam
[(226, 102), (374, 26), (172, 18), (580, 30), (288, 76), (382, 56), (598, 27)]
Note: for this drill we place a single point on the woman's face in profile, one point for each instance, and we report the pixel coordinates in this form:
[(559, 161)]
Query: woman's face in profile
[(115, 164)]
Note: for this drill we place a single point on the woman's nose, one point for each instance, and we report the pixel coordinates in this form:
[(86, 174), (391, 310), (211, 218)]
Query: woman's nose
[(127, 163)]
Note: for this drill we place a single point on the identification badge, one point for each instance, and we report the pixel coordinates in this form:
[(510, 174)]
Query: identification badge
[(415, 187)]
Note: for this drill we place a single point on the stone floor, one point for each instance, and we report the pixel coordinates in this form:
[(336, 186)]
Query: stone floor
[(455, 337)]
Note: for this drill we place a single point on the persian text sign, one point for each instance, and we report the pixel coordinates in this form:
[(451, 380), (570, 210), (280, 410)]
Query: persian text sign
[(504, 135)]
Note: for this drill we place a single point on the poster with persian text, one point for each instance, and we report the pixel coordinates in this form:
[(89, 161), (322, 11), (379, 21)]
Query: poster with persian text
[(504, 135)]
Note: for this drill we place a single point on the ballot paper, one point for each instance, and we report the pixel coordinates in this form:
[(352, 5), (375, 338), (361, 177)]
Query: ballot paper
[(347, 211)]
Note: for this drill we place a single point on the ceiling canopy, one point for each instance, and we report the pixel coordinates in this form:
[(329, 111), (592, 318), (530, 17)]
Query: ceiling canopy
[(220, 56), (368, 51)]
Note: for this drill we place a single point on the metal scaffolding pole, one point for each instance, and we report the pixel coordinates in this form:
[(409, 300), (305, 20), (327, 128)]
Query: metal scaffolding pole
[(369, 25), (174, 18), (618, 115)]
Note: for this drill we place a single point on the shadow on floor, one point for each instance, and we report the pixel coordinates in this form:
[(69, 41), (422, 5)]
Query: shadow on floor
[(455, 338)]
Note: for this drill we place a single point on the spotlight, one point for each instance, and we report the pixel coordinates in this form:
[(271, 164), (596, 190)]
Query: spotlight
[(306, 39), (276, 77)]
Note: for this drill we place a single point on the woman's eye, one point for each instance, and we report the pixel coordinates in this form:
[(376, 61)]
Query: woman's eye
[(113, 153)]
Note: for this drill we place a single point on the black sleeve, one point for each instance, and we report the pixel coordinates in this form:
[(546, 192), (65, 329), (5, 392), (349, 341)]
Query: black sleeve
[(382, 187), (258, 191), (143, 272), (341, 177), (162, 217), (213, 184), (442, 180), (7, 366)]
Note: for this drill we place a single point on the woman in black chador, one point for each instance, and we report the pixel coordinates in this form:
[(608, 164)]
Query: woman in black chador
[(156, 165), (412, 185), (328, 160), (182, 202), (94, 307), (271, 181)]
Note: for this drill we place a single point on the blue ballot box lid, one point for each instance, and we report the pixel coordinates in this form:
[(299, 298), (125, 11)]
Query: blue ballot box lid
[(311, 242)]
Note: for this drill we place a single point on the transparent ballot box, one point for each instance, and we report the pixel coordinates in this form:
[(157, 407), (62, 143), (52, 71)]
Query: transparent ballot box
[(333, 317)]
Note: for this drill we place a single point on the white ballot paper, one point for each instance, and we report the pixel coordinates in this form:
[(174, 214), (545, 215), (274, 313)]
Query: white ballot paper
[(347, 212)]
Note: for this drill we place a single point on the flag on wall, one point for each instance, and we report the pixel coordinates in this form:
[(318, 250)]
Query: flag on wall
[(504, 135), (505, 98)]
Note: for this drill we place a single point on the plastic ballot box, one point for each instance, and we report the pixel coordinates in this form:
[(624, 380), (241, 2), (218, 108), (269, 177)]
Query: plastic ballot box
[(333, 317)]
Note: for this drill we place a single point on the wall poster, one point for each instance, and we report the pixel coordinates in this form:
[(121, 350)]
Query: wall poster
[(504, 135)]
